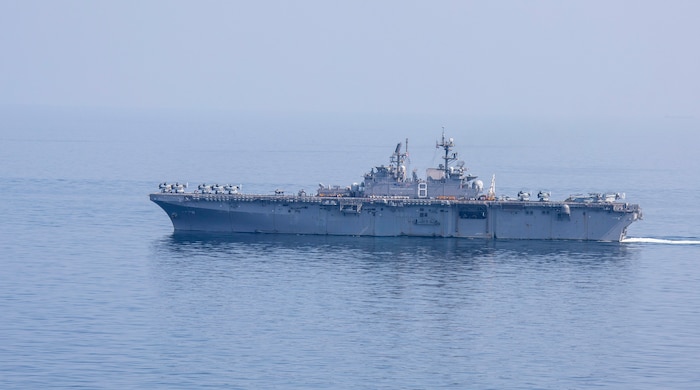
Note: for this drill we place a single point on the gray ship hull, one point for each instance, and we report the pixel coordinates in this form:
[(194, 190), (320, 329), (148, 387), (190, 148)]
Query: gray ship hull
[(387, 216)]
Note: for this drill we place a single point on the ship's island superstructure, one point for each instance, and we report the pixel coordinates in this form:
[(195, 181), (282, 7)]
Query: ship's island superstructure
[(449, 202)]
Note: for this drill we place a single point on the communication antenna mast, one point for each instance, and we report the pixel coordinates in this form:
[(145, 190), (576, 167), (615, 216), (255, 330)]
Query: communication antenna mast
[(398, 159), (449, 155)]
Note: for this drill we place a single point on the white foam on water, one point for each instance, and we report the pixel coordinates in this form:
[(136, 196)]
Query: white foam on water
[(647, 240)]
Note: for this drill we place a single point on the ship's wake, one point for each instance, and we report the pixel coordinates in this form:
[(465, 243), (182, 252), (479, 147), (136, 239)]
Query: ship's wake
[(648, 240)]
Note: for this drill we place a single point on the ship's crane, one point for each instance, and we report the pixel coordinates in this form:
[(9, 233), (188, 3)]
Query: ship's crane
[(491, 195)]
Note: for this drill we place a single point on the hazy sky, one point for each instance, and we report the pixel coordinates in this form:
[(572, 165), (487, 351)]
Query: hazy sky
[(519, 58)]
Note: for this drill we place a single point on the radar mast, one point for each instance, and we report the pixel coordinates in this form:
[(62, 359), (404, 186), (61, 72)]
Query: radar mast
[(397, 160), (450, 156)]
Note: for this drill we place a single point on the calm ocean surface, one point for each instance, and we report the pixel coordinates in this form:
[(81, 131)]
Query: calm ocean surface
[(97, 292)]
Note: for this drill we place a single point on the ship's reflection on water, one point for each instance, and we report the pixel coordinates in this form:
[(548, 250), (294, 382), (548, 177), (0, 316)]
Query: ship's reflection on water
[(382, 249), (399, 307)]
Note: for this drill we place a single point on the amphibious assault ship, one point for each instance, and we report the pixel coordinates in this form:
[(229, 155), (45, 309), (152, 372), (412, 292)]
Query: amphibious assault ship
[(448, 202)]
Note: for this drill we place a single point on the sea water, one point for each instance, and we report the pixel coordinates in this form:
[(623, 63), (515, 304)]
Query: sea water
[(97, 292)]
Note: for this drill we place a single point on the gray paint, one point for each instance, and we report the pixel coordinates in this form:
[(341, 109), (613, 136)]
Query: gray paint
[(389, 203)]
